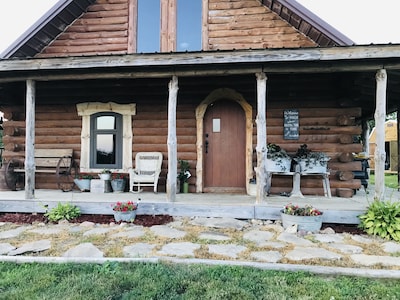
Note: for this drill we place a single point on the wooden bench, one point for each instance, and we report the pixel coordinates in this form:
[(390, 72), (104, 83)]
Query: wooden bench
[(53, 161)]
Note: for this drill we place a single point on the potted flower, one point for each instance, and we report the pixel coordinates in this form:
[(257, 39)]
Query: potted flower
[(105, 174), (277, 159), (311, 162), (307, 218), (118, 182), (82, 180), (184, 175), (125, 211)]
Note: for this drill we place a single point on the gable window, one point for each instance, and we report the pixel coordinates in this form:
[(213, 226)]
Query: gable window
[(148, 27), (188, 25), (168, 25), (106, 141), (106, 137)]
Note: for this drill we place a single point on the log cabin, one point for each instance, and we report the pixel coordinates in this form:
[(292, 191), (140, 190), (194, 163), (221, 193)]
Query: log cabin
[(207, 81)]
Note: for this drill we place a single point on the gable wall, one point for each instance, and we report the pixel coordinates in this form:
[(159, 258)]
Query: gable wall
[(238, 24), (103, 29), (231, 24)]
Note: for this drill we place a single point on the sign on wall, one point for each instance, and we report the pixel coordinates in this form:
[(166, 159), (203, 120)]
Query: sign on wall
[(291, 124)]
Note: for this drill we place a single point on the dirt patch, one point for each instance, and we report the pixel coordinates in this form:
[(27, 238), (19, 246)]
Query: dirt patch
[(27, 218)]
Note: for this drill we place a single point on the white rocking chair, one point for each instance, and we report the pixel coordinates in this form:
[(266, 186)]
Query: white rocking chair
[(146, 172)]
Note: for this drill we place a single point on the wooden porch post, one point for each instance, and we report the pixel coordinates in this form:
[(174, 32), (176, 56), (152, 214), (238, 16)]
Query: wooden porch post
[(172, 141), (380, 154), (398, 147), (261, 147), (365, 135), (30, 140)]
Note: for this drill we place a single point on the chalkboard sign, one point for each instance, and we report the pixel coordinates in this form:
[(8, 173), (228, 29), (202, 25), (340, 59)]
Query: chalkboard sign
[(291, 124)]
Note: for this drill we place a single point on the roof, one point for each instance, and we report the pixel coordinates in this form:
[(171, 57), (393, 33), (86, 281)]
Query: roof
[(65, 12)]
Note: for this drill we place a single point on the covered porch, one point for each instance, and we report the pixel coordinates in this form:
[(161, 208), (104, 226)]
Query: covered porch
[(240, 206)]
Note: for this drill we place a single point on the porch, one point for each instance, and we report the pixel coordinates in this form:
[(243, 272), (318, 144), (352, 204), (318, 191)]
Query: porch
[(336, 210)]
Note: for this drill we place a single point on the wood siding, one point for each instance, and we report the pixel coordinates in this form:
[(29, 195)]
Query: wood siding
[(322, 129), (108, 27), (249, 24), (103, 29)]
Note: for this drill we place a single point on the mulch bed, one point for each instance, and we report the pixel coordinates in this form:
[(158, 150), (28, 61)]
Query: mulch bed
[(144, 220), (28, 218)]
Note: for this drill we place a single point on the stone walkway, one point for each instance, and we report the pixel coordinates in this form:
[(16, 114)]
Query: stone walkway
[(256, 243)]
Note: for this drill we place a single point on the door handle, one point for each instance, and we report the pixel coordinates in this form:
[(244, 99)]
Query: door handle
[(207, 146)]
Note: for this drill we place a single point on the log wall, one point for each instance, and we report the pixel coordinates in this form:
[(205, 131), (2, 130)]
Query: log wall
[(106, 28), (322, 129), (249, 24), (59, 126), (103, 29)]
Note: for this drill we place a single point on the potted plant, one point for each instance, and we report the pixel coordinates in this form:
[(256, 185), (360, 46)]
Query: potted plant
[(311, 162), (125, 211), (105, 174), (277, 159), (307, 218), (184, 175), (82, 180), (118, 182)]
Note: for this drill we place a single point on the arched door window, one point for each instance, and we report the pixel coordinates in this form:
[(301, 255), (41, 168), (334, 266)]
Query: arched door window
[(106, 141)]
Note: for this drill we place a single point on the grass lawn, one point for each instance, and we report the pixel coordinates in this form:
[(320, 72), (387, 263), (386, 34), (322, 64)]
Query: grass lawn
[(390, 180), (170, 281)]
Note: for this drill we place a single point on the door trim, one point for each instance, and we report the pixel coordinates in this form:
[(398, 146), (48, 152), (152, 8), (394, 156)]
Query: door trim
[(226, 94)]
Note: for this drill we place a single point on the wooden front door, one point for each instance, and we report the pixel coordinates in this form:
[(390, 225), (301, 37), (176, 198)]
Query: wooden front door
[(224, 148)]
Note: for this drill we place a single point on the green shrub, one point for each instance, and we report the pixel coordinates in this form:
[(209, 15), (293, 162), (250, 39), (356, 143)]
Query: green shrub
[(382, 218), (65, 211)]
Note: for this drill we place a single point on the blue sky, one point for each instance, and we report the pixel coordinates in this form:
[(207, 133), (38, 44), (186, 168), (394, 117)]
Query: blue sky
[(363, 21)]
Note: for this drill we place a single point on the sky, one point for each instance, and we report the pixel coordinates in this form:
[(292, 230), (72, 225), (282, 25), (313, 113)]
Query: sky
[(363, 21)]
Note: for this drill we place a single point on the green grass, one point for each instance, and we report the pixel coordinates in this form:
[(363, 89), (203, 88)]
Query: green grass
[(170, 281), (390, 180)]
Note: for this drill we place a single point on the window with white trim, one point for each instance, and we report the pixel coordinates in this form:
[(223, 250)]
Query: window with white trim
[(106, 138)]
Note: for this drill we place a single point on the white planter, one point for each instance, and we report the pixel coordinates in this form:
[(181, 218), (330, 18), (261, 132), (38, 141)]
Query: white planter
[(280, 165), (83, 184), (312, 166), (105, 176), (304, 223), (125, 216)]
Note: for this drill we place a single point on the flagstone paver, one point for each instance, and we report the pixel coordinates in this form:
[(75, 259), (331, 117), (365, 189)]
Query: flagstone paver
[(260, 237), (138, 250), (35, 246), (306, 253), (229, 250), (84, 250), (5, 248), (185, 249), (267, 256)]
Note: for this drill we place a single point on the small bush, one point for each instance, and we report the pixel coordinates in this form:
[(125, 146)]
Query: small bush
[(383, 219), (65, 211)]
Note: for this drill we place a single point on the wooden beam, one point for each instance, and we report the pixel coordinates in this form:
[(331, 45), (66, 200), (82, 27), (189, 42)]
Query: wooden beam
[(172, 140), (261, 147), (132, 26), (30, 141), (380, 154)]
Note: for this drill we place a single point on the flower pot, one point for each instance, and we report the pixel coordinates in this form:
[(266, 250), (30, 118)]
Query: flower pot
[(278, 165), (105, 176), (185, 187), (83, 184), (126, 216), (304, 223), (118, 185)]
